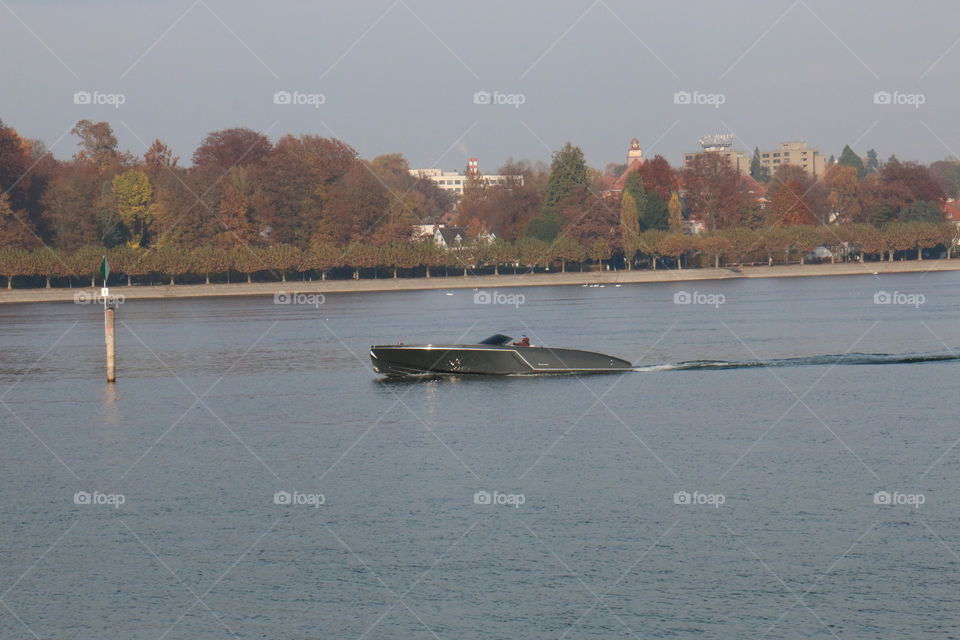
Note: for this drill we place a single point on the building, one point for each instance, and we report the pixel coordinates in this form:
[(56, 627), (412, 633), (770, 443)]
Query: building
[(447, 236), (722, 144), (454, 181), (951, 212), (796, 153), (613, 186)]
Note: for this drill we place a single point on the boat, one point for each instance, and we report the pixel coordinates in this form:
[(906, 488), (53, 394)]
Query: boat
[(495, 356)]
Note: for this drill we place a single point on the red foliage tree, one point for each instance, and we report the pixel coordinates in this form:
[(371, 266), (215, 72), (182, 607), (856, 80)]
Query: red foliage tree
[(715, 194)]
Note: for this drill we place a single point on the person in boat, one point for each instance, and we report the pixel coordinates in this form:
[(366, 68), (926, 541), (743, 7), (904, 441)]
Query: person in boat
[(524, 341)]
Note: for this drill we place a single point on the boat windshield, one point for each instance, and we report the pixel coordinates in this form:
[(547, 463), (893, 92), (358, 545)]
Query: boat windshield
[(497, 339)]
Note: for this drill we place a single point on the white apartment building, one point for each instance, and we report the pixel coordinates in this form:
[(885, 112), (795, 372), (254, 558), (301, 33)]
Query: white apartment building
[(454, 180)]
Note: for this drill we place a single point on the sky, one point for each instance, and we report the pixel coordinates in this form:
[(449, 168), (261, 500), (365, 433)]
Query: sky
[(442, 81)]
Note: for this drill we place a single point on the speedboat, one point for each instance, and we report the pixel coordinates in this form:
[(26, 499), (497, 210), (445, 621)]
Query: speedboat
[(495, 356)]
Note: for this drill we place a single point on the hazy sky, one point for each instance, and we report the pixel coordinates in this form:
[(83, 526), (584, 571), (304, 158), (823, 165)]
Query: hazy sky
[(401, 76)]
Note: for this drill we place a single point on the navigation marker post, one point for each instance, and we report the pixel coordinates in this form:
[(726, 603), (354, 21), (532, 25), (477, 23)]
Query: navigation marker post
[(109, 320)]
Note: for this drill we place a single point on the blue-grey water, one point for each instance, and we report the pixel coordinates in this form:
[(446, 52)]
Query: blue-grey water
[(223, 403)]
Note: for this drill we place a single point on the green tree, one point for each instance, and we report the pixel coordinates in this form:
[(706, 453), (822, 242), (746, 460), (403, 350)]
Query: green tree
[(656, 214), (923, 211), (629, 217), (850, 159), (873, 162), (567, 181), (758, 172)]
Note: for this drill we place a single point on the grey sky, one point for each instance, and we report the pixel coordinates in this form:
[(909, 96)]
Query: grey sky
[(401, 76)]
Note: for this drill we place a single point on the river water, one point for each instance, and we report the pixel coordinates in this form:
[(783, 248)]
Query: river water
[(249, 476)]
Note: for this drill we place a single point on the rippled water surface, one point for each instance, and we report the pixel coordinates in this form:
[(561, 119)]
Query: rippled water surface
[(488, 508)]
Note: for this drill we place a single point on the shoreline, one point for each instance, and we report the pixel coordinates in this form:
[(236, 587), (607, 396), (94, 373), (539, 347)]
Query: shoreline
[(570, 278)]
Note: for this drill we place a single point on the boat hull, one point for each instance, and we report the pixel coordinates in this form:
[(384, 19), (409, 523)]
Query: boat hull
[(409, 360)]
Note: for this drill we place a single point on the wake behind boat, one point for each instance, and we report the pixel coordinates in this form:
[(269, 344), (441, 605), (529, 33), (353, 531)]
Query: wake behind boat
[(496, 355)]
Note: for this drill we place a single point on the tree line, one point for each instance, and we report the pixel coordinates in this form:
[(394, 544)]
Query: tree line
[(650, 249), (309, 205)]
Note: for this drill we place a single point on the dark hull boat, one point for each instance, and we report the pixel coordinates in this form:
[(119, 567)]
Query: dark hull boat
[(494, 356)]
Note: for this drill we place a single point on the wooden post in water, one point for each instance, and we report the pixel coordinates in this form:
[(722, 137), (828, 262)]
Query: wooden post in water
[(109, 323), (109, 333)]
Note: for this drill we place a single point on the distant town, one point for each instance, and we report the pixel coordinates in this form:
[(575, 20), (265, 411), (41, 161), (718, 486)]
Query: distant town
[(308, 206)]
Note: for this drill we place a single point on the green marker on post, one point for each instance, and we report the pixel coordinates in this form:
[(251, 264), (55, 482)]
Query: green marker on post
[(104, 270)]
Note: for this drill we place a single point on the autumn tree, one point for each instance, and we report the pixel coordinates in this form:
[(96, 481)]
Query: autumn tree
[(69, 206), (715, 193), (653, 243), (677, 245), (658, 177), (235, 213), (355, 205), (14, 261), (98, 145), (675, 211), (159, 157), (796, 198), (280, 258), (133, 194), (295, 181), (227, 148), (946, 173), (16, 229), (209, 260), (843, 197), (568, 250), (15, 167)]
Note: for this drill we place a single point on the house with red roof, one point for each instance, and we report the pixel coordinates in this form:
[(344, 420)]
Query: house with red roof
[(613, 186), (951, 211)]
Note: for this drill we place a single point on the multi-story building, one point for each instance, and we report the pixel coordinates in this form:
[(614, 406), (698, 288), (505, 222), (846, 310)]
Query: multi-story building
[(722, 144), (796, 153), (454, 181)]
